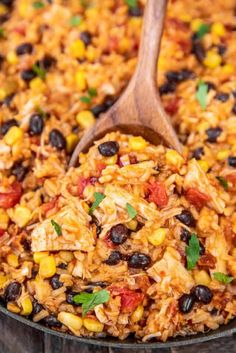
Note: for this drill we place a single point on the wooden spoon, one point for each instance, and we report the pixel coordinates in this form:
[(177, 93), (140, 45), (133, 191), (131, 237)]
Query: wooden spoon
[(139, 110)]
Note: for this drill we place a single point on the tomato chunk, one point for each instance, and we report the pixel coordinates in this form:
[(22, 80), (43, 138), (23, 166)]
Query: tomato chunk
[(49, 205), (158, 194), (100, 166), (2, 231), (196, 197), (11, 197), (81, 185), (108, 242), (129, 298)]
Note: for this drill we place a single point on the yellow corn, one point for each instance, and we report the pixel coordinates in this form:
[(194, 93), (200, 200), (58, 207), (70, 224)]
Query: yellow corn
[(12, 260), (158, 236), (13, 308), (91, 53), (47, 267), (195, 24), (70, 320), (221, 155), (27, 306), (204, 165), (202, 277), (22, 216), (13, 135), (4, 219), (218, 29), (85, 119), (67, 256), (12, 58), (38, 256), (77, 49), (137, 143), (93, 325), (174, 158), (228, 69), (203, 126), (212, 59), (111, 160), (137, 314), (124, 45), (132, 225), (37, 85), (3, 280), (3, 93), (80, 80), (71, 141)]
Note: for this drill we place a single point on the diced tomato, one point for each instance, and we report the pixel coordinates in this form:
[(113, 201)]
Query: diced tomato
[(2, 231), (143, 283), (81, 185), (129, 298), (11, 197), (20, 30), (49, 205), (231, 178), (196, 197), (113, 43), (100, 166), (172, 106), (158, 194), (108, 242)]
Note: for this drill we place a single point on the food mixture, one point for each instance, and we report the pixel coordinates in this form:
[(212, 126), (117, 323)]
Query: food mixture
[(137, 239)]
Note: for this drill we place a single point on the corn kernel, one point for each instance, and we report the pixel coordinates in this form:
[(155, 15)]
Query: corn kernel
[(212, 59), (111, 160), (195, 24), (124, 45), (72, 321), (80, 80), (85, 119), (86, 207), (137, 314), (13, 308), (12, 260), (3, 93), (27, 306), (158, 236), (91, 53), (13, 135), (22, 215), (218, 29), (23, 8), (12, 58), (204, 165), (38, 256), (132, 225), (228, 69), (71, 141), (77, 49), (202, 277), (203, 126), (67, 256), (37, 85), (93, 325), (221, 155), (174, 158), (3, 10), (47, 267), (3, 280), (4, 219), (137, 143)]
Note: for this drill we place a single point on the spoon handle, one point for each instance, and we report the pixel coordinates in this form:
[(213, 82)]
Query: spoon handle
[(153, 25)]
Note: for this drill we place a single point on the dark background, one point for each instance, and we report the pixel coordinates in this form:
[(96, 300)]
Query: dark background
[(18, 338)]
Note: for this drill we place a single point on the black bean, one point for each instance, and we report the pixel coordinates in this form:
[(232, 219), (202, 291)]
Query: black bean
[(202, 294), (46, 62), (55, 282), (114, 258), (135, 11), (186, 218), (36, 124), (109, 148), (4, 18), (28, 75), (139, 260), (86, 37), (234, 109), (24, 48), (7, 3), (1, 60), (168, 87), (179, 76), (12, 292), (70, 298), (234, 93), (186, 303), (26, 245), (63, 265), (222, 96), (7, 125), (214, 312), (210, 85), (232, 162), (198, 153), (57, 140), (213, 133), (36, 307), (51, 321), (119, 234), (8, 99), (221, 49), (99, 109), (185, 235), (19, 171), (199, 51)]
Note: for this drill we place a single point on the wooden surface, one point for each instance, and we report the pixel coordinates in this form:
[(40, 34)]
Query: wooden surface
[(18, 338)]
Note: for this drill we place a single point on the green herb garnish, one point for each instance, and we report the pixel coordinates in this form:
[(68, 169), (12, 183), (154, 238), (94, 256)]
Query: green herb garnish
[(131, 211), (85, 99), (38, 5), (221, 277), (2, 32), (192, 252), (90, 300), (202, 30), (223, 182), (201, 94), (42, 112), (131, 3), (98, 199), (92, 92), (75, 21), (57, 227), (39, 71)]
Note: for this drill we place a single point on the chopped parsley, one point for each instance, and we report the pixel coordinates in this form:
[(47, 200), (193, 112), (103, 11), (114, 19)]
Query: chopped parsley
[(223, 182), (203, 29), (131, 3), (38, 4), (92, 92), (57, 227), (131, 211), (98, 199), (192, 252), (75, 21), (201, 94), (85, 99), (221, 277), (90, 300), (39, 71)]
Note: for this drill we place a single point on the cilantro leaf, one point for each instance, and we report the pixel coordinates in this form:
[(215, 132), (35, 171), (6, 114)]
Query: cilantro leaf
[(57, 227), (90, 300), (131, 3), (85, 99), (223, 182), (222, 277), (192, 252), (203, 29), (75, 20), (131, 211), (39, 71), (98, 199), (92, 92), (38, 4), (201, 94)]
